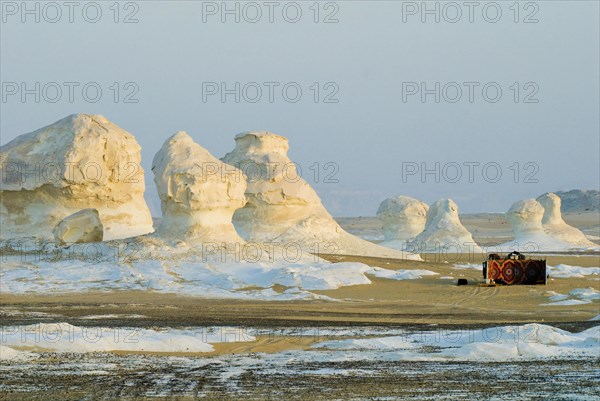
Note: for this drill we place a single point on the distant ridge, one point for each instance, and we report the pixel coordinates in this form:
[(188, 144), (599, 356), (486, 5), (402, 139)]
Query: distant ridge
[(580, 200)]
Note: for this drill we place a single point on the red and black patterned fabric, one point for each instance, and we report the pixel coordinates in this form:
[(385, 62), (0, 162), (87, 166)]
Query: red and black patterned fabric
[(511, 271)]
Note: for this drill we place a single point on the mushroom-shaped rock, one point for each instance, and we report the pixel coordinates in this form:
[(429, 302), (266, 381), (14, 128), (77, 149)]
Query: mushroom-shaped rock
[(402, 219), (554, 225), (283, 208), (444, 232), (198, 193), (525, 218), (83, 226), (82, 161)]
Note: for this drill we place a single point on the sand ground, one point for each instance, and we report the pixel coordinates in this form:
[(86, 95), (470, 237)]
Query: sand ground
[(428, 300)]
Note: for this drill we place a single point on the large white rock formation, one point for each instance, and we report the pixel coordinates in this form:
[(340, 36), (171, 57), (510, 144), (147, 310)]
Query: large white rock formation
[(402, 219), (556, 227), (526, 217), (198, 193), (82, 161), (83, 226), (444, 232), (283, 208)]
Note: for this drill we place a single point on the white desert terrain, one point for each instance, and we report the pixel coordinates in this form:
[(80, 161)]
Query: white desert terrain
[(246, 271)]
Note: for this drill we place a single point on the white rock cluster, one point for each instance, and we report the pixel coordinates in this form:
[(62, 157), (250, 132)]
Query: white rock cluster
[(410, 224), (198, 192), (538, 226), (444, 232), (283, 208), (82, 161), (80, 180), (525, 218)]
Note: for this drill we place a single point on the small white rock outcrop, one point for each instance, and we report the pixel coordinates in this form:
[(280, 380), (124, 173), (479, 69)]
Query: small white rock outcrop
[(83, 226), (444, 232), (556, 227), (283, 208), (526, 219), (82, 161), (402, 219), (198, 193)]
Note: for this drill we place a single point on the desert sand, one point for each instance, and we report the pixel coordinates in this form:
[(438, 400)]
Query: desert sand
[(425, 301), (428, 300)]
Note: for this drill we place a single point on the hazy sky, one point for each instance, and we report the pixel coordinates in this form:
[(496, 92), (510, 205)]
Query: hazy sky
[(377, 133)]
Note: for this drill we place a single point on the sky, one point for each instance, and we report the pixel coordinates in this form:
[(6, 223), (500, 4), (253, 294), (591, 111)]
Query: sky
[(492, 103)]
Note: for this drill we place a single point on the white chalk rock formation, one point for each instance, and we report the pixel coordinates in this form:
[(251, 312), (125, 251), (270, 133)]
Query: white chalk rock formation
[(198, 193), (525, 218), (83, 226), (444, 232), (402, 219), (82, 161), (556, 227), (283, 208)]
